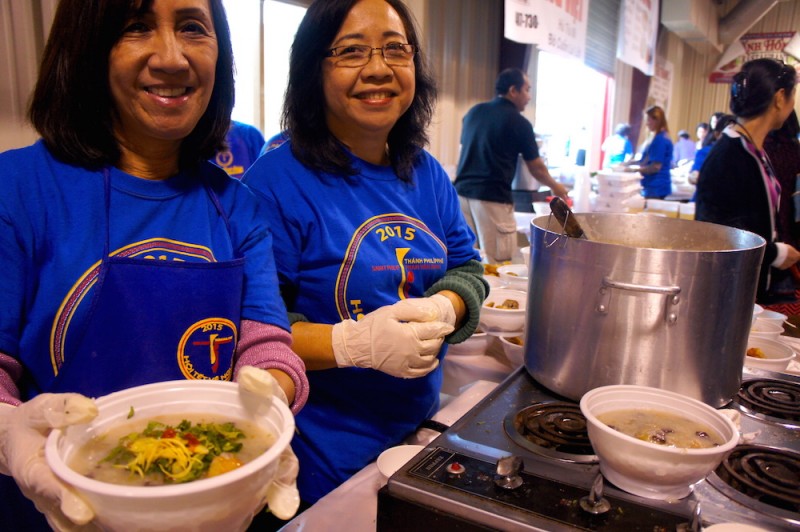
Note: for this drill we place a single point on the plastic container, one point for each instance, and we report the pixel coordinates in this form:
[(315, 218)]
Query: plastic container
[(224, 502)]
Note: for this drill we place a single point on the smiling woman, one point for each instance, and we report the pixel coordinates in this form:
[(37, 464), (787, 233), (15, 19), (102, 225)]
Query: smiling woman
[(129, 258), (374, 259)]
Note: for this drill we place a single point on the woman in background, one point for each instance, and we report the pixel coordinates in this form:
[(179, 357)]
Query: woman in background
[(656, 159), (373, 254), (738, 186)]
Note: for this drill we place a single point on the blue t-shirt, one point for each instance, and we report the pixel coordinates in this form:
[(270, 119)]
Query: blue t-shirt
[(54, 226), (345, 247), (245, 143), (617, 149), (659, 150)]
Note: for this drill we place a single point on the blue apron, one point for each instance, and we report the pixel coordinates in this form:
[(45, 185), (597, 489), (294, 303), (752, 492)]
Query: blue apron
[(156, 320)]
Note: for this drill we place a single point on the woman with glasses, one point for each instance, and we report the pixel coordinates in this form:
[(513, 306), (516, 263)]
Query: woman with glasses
[(737, 184), (376, 264)]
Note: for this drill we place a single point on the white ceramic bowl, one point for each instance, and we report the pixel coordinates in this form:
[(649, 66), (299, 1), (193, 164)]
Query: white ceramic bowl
[(515, 276), (766, 329), (771, 316), (393, 458), (514, 353), (496, 320), (474, 345), (778, 355), (224, 502), (647, 469)]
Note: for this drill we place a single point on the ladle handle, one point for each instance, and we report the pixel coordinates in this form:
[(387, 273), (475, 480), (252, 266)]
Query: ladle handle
[(566, 218)]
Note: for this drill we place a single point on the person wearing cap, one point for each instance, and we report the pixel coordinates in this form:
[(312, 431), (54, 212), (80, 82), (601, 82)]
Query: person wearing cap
[(684, 148)]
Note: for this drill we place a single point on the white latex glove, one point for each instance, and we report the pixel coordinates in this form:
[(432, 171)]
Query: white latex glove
[(402, 339), (23, 431), (283, 498)]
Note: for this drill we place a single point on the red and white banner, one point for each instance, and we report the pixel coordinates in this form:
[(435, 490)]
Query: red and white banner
[(782, 45), (638, 31), (556, 26)]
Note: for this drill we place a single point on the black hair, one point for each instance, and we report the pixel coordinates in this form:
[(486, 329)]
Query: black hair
[(72, 108), (623, 129), (755, 85), (790, 128), (723, 121), (304, 105), (510, 77)]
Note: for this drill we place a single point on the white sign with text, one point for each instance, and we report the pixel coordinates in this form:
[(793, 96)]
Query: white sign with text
[(556, 26)]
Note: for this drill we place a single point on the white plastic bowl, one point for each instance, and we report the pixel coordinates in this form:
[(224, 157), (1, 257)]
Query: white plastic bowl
[(514, 353), (778, 355), (757, 311), (393, 458), (494, 282), (526, 255), (766, 329), (515, 276), (771, 316), (647, 469), (496, 320), (474, 345), (224, 502)]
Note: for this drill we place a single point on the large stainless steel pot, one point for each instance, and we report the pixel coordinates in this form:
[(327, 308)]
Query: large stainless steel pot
[(646, 300)]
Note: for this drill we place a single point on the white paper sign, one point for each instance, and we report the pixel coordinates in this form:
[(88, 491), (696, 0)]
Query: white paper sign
[(661, 85), (557, 26), (638, 30)]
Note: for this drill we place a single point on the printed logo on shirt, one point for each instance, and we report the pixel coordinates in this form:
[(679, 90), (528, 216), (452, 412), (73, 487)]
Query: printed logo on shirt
[(206, 348), (388, 254), (154, 249), (224, 160)]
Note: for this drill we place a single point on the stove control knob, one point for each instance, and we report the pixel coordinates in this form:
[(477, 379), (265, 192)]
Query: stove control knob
[(454, 468), (508, 469)]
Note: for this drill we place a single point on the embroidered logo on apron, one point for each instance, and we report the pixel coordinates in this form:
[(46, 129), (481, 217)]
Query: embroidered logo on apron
[(202, 347)]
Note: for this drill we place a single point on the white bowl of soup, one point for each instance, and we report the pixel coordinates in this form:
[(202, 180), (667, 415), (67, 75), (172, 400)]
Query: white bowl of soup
[(477, 344), (226, 498), (503, 311), (768, 354), (513, 348), (655, 443), (515, 276), (766, 329)]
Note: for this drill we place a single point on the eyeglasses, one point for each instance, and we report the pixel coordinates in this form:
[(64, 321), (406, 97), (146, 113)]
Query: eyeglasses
[(358, 55)]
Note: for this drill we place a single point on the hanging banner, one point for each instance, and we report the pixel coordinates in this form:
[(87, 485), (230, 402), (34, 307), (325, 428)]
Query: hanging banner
[(556, 26), (661, 85), (638, 30), (782, 45)]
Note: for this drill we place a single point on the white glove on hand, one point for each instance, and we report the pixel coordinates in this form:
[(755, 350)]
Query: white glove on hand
[(23, 431), (402, 339), (283, 498)]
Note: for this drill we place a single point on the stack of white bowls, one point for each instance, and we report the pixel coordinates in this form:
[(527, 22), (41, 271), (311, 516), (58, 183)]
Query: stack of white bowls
[(618, 192)]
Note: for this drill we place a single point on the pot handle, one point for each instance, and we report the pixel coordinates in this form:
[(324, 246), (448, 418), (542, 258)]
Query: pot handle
[(672, 293)]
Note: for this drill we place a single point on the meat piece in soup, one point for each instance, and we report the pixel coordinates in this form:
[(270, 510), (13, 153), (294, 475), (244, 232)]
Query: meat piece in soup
[(170, 450), (661, 428)]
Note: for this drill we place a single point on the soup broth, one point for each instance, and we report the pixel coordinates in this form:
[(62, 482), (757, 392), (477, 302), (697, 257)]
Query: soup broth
[(661, 428), (95, 459)]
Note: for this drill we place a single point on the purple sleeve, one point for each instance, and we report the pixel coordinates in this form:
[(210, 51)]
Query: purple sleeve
[(269, 347), (10, 372)]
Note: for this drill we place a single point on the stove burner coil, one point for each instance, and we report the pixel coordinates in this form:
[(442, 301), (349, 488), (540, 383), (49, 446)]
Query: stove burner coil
[(771, 476), (771, 397), (556, 426)]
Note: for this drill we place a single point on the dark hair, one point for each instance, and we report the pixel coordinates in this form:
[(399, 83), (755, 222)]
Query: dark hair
[(304, 106), (755, 85), (510, 77), (722, 122), (704, 125), (72, 108), (657, 113), (790, 128), (623, 129)]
